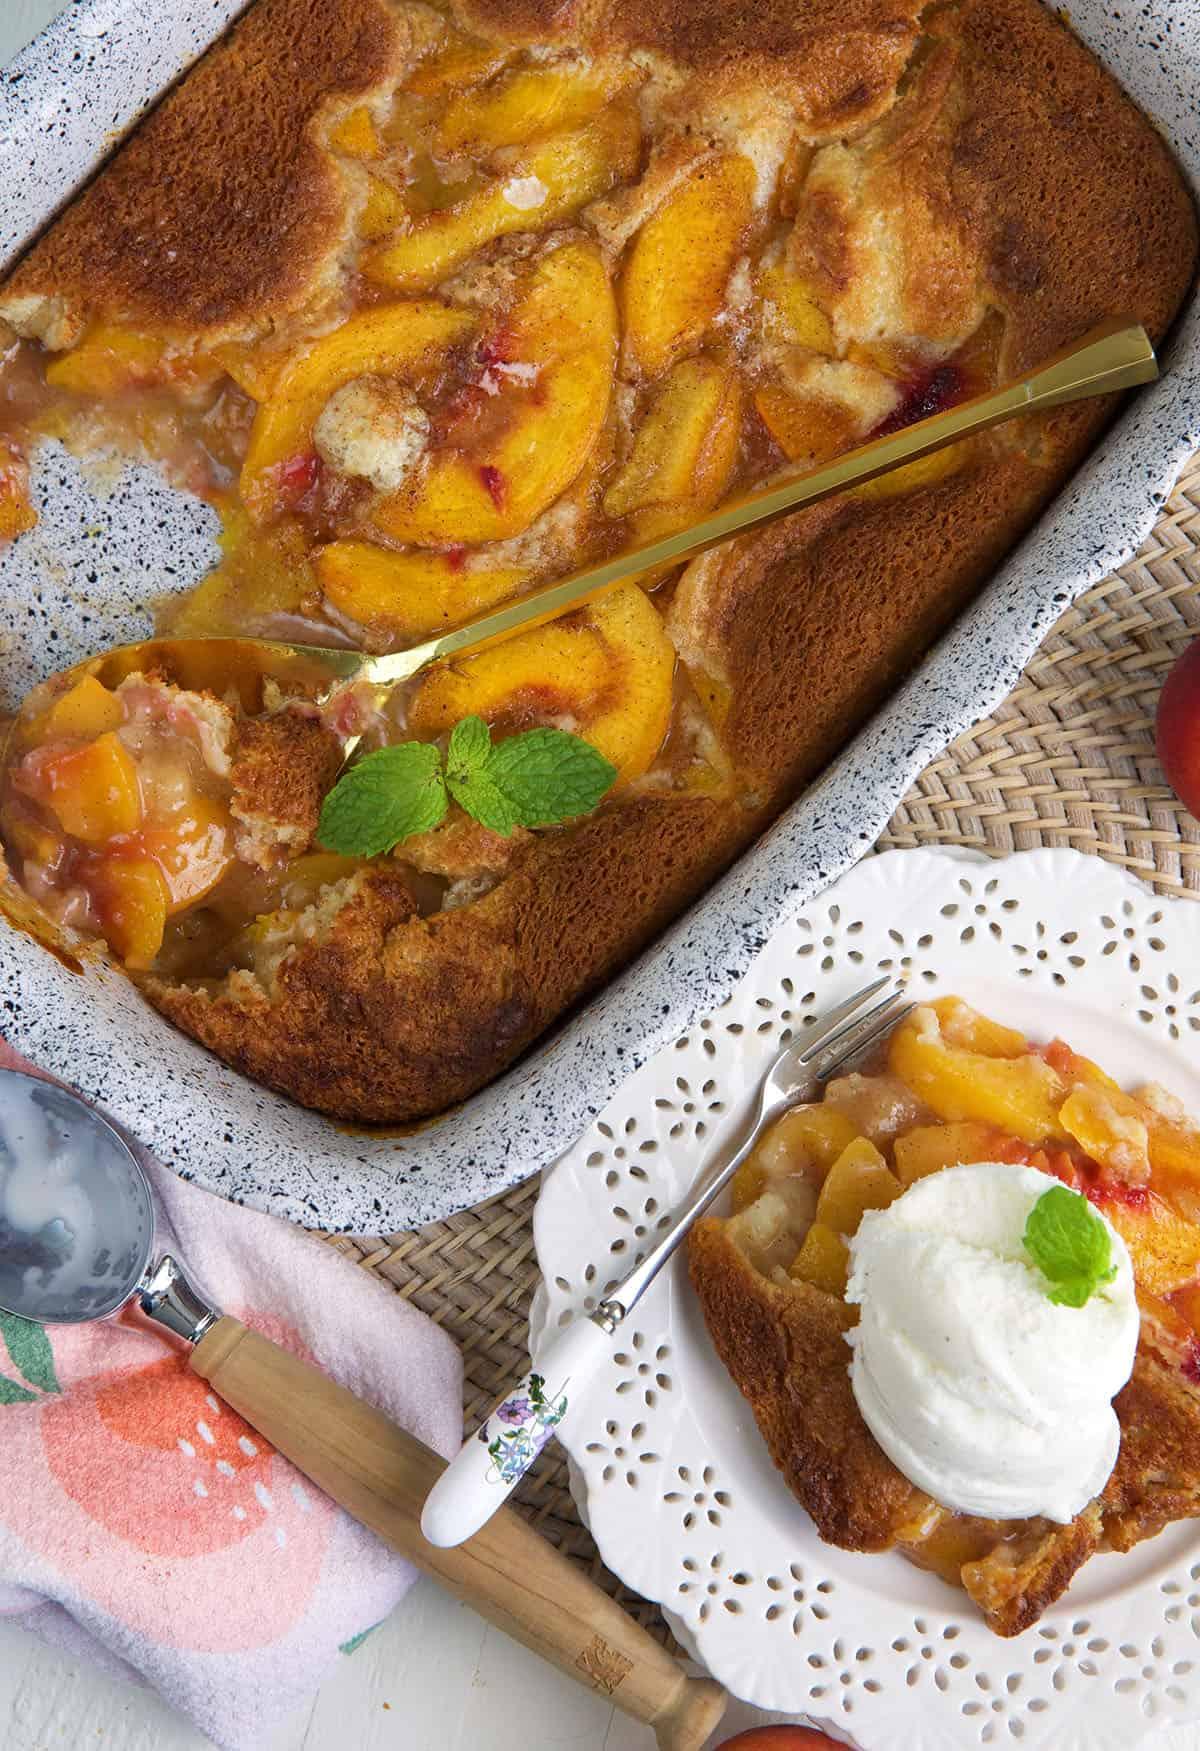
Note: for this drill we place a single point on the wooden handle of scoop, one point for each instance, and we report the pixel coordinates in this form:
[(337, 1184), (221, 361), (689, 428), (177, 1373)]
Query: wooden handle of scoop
[(507, 1572)]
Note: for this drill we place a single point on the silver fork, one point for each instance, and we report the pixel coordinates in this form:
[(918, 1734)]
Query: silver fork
[(495, 1459)]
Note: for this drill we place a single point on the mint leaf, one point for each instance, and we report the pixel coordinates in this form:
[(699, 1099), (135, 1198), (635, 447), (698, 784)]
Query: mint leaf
[(1070, 1245), (532, 780), (385, 797), (485, 801), (546, 776), (467, 778), (470, 745)]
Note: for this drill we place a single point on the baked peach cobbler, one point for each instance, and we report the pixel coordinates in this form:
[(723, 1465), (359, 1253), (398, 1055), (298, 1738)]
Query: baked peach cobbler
[(925, 1214), (435, 303)]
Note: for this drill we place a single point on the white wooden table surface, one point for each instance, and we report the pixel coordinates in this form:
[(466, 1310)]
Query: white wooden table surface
[(381, 1698)]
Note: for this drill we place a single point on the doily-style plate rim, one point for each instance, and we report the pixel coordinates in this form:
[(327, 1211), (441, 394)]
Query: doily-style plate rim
[(876, 1648)]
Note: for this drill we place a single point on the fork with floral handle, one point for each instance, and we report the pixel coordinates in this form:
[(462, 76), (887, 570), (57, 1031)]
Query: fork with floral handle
[(492, 1463)]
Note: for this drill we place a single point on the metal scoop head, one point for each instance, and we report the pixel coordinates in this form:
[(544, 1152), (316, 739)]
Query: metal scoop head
[(76, 1213)]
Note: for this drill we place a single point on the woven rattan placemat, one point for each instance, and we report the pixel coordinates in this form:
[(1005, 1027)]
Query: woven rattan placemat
[(1068, 759)]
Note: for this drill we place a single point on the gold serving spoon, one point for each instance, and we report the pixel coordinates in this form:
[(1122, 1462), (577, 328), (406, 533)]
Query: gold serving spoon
[(1116, 355)]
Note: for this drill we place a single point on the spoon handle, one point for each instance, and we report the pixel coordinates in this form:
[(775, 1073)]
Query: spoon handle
[(1115, 355), (508, 1572)]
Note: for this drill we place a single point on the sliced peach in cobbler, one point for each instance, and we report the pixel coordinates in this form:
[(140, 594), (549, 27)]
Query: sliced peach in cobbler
[(16, 511), (118, 809), (535, 187), (501, 458), (111, 358), (684, 451), (792, 314), (460, 61), (704, 222), (399, 598), (527, 103), (606, 672), (389, 345), (955, 1088)]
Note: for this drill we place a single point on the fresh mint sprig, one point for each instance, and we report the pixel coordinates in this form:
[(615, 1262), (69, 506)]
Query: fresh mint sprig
[(1070, 1245), (535, 779), (385, 797)]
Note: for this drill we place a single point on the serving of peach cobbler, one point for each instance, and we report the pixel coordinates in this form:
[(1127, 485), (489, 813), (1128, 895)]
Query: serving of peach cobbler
[(434, 303), (962, 1255)]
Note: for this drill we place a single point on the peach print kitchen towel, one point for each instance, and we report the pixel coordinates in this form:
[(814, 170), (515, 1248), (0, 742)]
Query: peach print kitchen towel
[(144, 1525)]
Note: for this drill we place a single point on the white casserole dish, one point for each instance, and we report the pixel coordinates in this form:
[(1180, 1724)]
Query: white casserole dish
[(104, 549)]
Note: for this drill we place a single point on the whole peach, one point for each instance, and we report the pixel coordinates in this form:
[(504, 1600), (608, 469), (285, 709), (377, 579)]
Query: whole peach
[(1178, 730), (782, 1739)]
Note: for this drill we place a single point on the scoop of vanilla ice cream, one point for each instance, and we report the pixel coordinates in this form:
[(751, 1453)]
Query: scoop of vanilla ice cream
[(986, 1394)]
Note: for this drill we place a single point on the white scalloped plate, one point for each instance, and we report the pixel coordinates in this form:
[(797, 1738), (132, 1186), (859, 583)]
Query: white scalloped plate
[(668, 1467)]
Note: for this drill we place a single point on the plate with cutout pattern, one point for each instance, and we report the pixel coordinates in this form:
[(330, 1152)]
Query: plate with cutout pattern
[(668, 1468)]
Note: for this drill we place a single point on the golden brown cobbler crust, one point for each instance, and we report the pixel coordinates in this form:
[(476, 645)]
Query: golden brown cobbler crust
[(387, 1007), (785, 1350), (1007, 143), (282, 766), (221, 213)]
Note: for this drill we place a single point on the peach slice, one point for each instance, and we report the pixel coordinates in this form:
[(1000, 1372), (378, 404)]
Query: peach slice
[(891, 358), (31, 840), (807, 428), (541, 187), (810, 1137), (1164, 1248), (928, 1149), (675, 277), (791, 311), (916, 476), (383, 212), (407, 596), (391, 340), (304, 878), (255, 366), (1118, 1140), (110, 358), (83, 713), (524, 105), (609, 667), (963, 1026), (804, 1143), (93, 791), (1019, 1095), (131, 901), (823, 1260), (686, 447), (859, 1180), (565, 328), (463, 60), (192, 849), (16, 512), (1113, 1121), (356, 135)]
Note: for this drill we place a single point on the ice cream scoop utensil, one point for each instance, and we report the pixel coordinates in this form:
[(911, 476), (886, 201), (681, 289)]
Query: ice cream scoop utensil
[(490, 1465), (77, 1243)]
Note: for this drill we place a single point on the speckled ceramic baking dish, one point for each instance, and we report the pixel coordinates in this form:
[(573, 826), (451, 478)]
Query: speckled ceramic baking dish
[(106, 547)]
